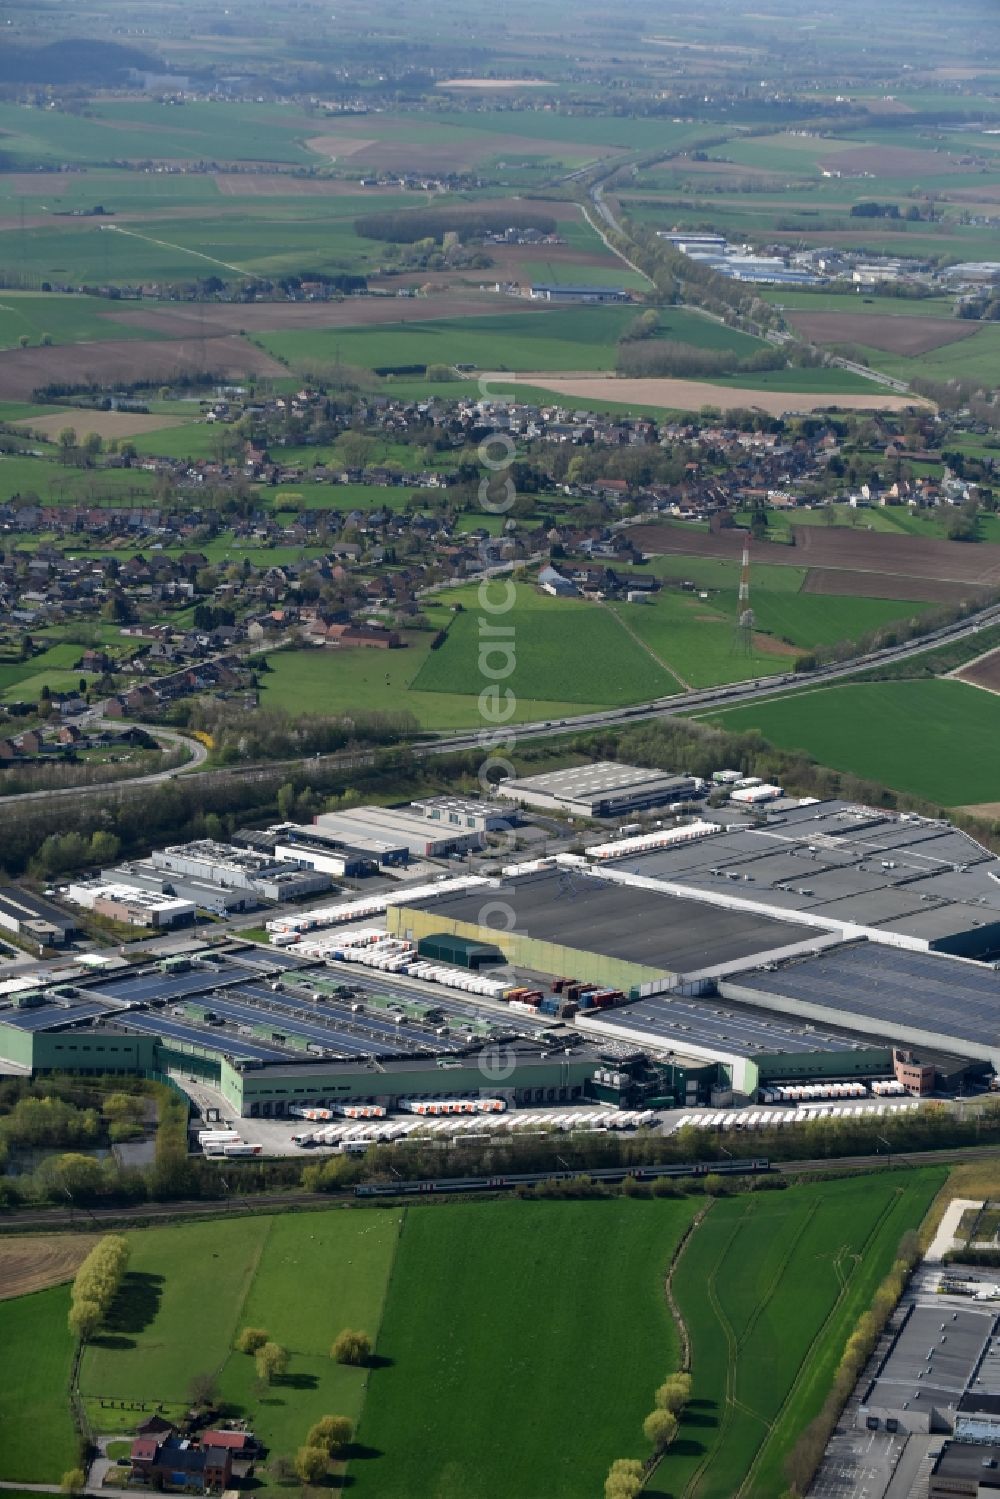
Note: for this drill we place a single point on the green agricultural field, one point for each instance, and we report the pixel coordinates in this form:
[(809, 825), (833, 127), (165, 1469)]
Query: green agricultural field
[(56, 483), (935, 739), (66, 319), (563, 649), (190, 1288), (329, 681), (975, 358), (347, 1260), (695, 640), (571, 338), (116, 128), (37, 1440), (179, 1279), (770, 1289), (511, 1373)]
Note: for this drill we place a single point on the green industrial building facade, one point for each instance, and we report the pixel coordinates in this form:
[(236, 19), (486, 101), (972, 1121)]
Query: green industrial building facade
[(266, 1089), (533, 954), (270, 1091)]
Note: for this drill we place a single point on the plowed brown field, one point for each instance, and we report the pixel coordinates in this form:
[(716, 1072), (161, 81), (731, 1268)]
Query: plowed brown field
[(983, 673), (25, 370), (885, 586), (31, 1263), (871, 553), (210, 321), (896, 335), (893, 161)]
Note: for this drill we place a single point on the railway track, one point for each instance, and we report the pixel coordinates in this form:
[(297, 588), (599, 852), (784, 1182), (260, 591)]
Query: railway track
[(25, 1220)]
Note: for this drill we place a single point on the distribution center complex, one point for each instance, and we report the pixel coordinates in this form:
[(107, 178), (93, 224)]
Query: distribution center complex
[(816, 944)]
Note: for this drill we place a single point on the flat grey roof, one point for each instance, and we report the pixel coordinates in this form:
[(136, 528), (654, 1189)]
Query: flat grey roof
[(660, 931), (592, 779), (891, 986), (919, 877), (721, 1025), (930, 1365)]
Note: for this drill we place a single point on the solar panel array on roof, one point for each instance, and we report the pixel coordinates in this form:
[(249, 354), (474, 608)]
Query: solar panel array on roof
[(49, 1017)]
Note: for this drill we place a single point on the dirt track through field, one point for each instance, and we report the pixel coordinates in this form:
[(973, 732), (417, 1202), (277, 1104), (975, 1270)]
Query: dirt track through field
[(691, 395), (34, 1262)]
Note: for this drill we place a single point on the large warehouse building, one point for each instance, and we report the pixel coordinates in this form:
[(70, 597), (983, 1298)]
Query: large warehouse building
[(600, 789), (568, 921), (908, 881), (270, 1033)]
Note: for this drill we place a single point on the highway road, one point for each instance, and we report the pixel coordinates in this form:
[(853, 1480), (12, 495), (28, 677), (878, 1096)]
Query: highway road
[(726, 696), (482, 739)]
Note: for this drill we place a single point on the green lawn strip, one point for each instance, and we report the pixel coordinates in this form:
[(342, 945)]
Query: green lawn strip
[(563, 650), (318, 1274), (176, 1316), (914, 1193), (935, 739), (510, 1375), (770, 1288), (38, 1442)]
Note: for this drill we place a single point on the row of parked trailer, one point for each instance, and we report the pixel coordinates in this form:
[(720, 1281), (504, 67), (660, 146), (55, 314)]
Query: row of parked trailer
[(778, 1118), (808, 1092), (355, 1139), (285, 930), (226, 1143), (800, 1092), (347, 1110), (372, 947)]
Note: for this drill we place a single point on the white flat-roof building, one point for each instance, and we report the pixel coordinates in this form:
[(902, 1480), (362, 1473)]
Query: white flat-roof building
[(129, 905), (602, 789)]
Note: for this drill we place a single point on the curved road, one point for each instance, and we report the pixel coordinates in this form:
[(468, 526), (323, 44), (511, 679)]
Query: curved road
[(198, 752)]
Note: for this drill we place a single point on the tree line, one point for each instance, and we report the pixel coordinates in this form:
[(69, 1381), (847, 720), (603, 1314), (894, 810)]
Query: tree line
[(95, 1286), (410, 225)]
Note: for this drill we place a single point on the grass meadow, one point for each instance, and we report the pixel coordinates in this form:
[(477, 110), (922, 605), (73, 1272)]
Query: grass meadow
[(37, 1440), (771, 1288), (190, 1288), (935, 739), (515, 1370), (330, 681), (564, 650)]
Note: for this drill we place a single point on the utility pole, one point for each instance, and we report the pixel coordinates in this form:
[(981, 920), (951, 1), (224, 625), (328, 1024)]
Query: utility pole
[(743, 633)]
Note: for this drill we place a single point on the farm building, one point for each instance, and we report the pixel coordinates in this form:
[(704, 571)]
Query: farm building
[(544, 292)]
